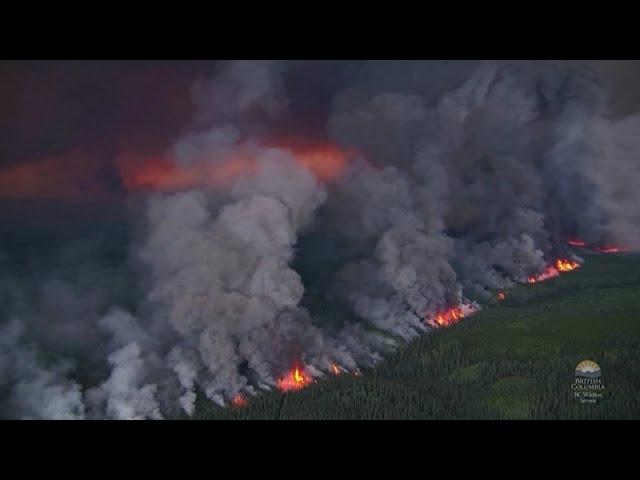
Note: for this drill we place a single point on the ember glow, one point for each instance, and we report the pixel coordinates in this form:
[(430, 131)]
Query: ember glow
[(561, 265), (239, 401), (574, 242), (501, 296), (296, 379), (335, 369), (610, 249)]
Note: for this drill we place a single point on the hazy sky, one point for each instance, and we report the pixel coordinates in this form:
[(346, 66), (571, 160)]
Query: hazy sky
[(88, 115)]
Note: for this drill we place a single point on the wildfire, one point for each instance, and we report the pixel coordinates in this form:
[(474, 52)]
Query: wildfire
[(296, 379), (501, 296), (448, 317), (610, 249), (452, 315), (548, 273), (561, 265), (335, 369), (575, 242), (239, 401)]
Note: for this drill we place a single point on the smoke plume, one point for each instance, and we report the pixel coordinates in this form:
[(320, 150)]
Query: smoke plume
[(458, 179)]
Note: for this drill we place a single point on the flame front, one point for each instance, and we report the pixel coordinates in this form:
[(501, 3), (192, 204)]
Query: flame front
[(501, 296), (548, 273), (448, 317), (335, 369), (576, 242), (296, 379), (561, 265)]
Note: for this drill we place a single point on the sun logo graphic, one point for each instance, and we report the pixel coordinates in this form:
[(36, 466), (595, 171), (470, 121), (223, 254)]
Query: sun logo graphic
[(587, 385), (588, 369)]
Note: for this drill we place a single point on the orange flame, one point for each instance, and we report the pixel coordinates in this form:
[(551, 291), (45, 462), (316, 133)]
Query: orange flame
[(296, 379), (548, 273), (239, 401), (335, 369), (501, 296), (561, 265), (448, 317)]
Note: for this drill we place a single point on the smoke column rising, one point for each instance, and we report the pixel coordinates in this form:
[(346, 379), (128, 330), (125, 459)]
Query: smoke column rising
[(451, 180)]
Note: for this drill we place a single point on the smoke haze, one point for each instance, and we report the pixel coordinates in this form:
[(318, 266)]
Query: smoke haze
[(304, 214)]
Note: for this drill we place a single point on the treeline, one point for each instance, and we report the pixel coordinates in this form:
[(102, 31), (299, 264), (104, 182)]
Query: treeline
[(515, 361), (440, 383)]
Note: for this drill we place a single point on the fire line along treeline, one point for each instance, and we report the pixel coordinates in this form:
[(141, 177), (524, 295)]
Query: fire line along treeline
[(284, 239)]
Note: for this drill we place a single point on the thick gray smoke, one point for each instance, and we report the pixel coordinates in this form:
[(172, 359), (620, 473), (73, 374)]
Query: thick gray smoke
[(467, 177), (500, 170), (31, 390)]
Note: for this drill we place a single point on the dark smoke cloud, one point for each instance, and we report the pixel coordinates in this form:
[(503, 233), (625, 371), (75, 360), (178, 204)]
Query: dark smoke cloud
[(468, 177)]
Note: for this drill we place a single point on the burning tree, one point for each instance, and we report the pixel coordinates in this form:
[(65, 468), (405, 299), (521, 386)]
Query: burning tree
[(295, 379), (452, 315)]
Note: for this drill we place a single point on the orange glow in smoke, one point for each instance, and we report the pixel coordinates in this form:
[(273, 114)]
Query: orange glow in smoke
[(161, 174), (296, 379), (239, 401), (501, 296), (76, 173), (335, 369), (71, 174), (325, 162), (610, 249), (575, 242)]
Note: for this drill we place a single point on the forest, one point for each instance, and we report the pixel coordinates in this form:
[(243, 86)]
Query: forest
[(514, 359)]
